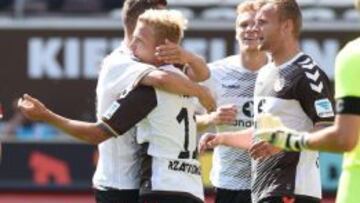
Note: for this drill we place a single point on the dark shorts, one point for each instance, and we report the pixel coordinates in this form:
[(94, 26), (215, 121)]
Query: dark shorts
[(168, 198), (232, 196), (117, 196), (286, 199)]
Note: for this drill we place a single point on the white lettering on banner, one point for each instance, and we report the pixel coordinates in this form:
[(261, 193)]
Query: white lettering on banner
[(81, 57), (323, 53), (72, 58), (75, 58), (94, 51), (42, 58)]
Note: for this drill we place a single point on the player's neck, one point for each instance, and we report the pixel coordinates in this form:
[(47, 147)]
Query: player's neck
[(285, 53), (253, 60)]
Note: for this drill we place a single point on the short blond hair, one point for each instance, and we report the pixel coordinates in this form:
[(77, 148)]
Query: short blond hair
[(247, 6), (167, 24)]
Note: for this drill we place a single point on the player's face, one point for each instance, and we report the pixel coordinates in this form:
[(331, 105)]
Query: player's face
[(143, 43), (246, 35), (268, 25)]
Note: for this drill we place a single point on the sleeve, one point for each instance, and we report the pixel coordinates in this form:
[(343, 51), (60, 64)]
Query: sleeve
[(313, 91), (347, 83), (126, 112), (124, 73)]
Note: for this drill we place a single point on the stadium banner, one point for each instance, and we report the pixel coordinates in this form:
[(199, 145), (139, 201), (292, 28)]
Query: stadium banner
[(60, 65), (69, 167)]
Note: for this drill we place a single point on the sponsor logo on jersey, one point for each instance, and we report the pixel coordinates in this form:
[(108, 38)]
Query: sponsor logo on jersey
[(243, 123), (176, 165), (230, 86), (248, 109), (324, 108), (111, 110)]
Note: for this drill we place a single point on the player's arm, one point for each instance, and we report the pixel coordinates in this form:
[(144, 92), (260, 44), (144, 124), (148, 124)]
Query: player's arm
[(224, 115), (240, 139), (196, 67), (37, 111), (341, 137), (177, 84), (115, 122)]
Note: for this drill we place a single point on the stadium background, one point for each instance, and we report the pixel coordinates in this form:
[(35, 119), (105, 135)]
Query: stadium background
[(52, 49)]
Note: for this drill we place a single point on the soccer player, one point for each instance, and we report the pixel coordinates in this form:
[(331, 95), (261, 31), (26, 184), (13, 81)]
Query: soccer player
[(296, 90), (232, 82), (170, 170), (117, 175), (344, 135)]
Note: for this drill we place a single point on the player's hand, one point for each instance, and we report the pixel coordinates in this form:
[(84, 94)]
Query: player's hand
[(261, 150), (225, 114), (283, 138), (206, 99), (32, 108), (171, 53), (208, 141)]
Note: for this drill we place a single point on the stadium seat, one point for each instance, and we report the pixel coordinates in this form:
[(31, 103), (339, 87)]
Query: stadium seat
[(318, 14), (336, 3), (351, 15), (219, 13), (187, 12), (193, 3), (307, 3)]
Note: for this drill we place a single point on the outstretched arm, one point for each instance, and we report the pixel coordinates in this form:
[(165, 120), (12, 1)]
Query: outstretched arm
[(341, 137), (34, 110), (120, 117), (240, 139)]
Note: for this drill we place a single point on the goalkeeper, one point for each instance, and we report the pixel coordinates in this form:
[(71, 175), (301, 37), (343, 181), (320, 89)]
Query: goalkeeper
[(343, 136)]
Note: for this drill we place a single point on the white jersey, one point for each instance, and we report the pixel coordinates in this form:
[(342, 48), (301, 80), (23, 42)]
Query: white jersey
[(231, 83), (298, 92), (170, 131), (118, 166)]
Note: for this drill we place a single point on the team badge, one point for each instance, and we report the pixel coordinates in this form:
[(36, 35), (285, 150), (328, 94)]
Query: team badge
[(279, 84)]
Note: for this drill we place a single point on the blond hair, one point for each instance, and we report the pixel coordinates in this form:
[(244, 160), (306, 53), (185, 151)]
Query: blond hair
[(247, 6), (288, 10), (244, 7), (167, 24), (357, 4)]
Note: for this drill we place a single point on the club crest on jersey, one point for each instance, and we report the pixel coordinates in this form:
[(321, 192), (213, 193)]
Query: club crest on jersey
[(111, 110), (324, 108), (279, 84)]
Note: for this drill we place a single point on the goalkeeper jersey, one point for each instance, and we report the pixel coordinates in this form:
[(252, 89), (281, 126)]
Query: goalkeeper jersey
[(231, 83), (118, 166), (298, 92), (347, 89)]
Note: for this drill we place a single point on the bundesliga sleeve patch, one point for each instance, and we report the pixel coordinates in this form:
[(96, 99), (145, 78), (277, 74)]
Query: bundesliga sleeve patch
[(324, 108), (111, 110)]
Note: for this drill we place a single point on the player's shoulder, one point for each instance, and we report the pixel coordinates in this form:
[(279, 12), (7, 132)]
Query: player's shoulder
[(306, 67), (224, 63)]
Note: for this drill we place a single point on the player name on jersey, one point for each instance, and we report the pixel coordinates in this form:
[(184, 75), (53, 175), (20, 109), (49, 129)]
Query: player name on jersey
[(176, 165)]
